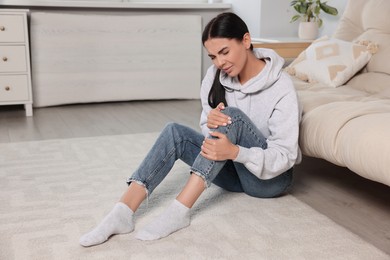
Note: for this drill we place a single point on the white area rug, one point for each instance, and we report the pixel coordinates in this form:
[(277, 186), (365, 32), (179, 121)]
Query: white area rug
[(51, 192)]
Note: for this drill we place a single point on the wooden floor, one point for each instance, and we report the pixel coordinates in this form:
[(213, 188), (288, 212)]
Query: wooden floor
[(360, 205)]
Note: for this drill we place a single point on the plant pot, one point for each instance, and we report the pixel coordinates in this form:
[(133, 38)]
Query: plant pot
[(308, 30)]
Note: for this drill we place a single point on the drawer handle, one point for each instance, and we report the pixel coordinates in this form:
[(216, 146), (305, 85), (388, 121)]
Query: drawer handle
[(7, 88), (2, 28), (5, 59)]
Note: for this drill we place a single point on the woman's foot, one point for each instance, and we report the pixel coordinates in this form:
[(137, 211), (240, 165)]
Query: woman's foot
[(174, 218), (118, 221)]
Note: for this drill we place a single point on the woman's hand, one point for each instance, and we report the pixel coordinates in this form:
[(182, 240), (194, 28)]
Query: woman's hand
[(216, 118), (219, 148)]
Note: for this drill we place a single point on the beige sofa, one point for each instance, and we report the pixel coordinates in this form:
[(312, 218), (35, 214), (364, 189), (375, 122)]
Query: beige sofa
[(349, 125)]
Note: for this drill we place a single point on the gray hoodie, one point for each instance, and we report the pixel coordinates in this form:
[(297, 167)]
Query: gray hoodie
[(270, 101)]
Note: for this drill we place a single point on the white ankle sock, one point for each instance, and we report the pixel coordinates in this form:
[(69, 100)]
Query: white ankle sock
[(174, 218), (118, 221)]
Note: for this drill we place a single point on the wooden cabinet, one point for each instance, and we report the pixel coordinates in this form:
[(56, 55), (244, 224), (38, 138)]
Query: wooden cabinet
[(102, 57), (15, 72), (288, 48)]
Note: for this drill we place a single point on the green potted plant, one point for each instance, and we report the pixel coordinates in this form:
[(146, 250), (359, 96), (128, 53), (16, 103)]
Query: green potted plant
[(309, 16)]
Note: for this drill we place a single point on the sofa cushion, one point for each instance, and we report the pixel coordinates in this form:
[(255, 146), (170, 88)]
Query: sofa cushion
[(373, 83), (313, 95), (368, 20), (350, 25), (326, 131), (362, 146), (331, 61)]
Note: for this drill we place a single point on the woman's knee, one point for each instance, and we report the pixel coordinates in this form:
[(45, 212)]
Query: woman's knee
[(177, 131), (171, 127), (232, 111), (235, 114)]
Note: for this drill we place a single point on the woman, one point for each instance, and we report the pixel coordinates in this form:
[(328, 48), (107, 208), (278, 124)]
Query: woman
[(249, 122)]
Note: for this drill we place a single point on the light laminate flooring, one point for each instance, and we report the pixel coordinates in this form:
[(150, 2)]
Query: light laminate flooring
[(360, 205)]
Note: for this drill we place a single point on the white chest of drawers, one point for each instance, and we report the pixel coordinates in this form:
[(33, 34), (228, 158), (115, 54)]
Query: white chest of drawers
[(15, 71)]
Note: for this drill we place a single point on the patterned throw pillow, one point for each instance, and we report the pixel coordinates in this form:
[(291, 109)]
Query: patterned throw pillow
[(331, 61)]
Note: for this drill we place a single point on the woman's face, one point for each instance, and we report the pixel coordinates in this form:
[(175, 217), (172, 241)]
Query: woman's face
[(229, 55)]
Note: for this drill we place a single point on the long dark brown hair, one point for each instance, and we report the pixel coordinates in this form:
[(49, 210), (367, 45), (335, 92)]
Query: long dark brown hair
[(225, 25)]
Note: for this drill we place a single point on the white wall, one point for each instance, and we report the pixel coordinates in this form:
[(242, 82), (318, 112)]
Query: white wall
[(271, 18), (249, 11)]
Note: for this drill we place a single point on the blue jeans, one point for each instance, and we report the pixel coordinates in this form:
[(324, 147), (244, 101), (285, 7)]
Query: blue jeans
[(181, 142)]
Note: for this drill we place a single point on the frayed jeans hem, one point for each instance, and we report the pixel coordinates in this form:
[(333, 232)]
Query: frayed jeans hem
[(139, 182), (207, 183)]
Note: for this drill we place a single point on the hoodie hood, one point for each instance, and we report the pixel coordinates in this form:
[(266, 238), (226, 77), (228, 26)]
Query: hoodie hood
[(266, 78)]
